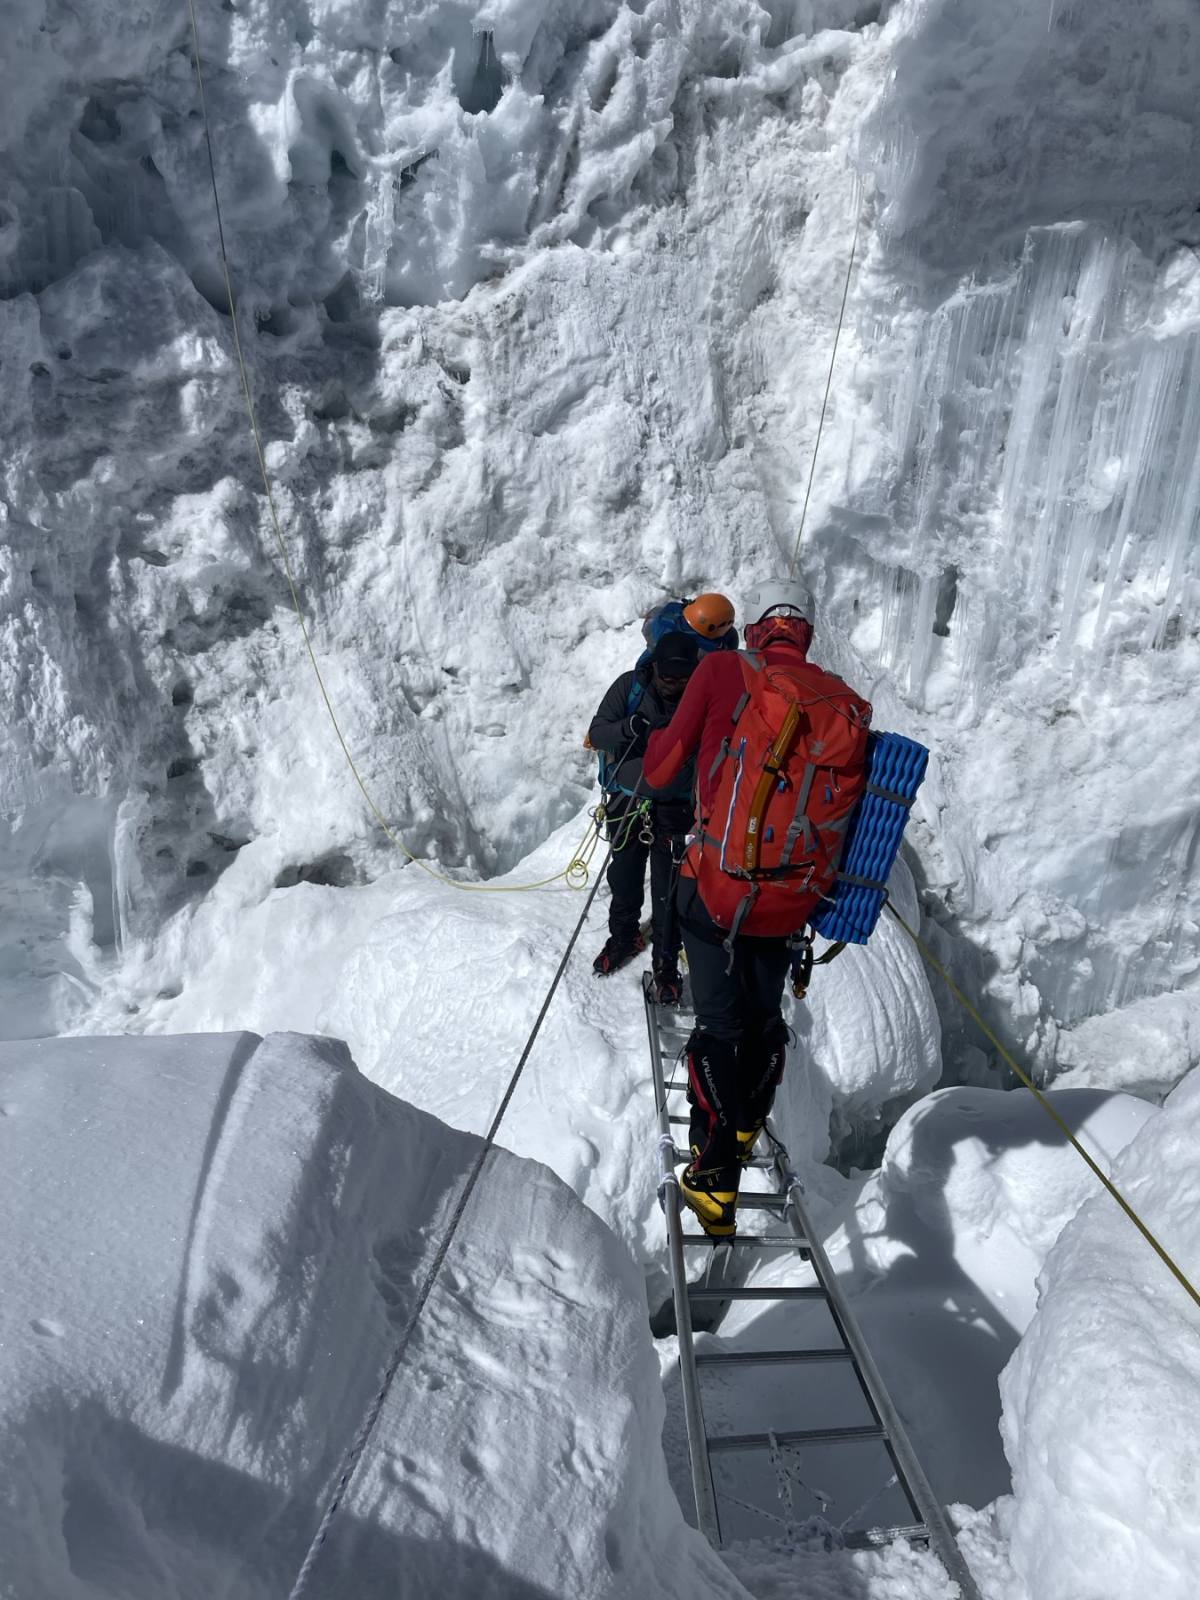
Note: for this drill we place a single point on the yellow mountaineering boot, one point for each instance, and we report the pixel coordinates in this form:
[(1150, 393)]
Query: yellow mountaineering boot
[(746, 1143), (712, 1195)]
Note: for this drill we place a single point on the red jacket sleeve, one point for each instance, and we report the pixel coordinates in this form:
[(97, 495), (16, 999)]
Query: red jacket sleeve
[(670, 749)]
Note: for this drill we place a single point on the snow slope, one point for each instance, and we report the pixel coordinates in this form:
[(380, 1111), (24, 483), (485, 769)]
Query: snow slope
[(211, 1244), (436, 990), (1104, 1466), (944, 1248)]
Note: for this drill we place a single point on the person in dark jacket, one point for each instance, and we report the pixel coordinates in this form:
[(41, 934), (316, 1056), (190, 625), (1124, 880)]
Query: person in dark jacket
[(652, 691)]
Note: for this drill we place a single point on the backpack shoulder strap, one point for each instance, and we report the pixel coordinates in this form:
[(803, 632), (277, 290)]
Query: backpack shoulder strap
[(751, 662), (641, 677)]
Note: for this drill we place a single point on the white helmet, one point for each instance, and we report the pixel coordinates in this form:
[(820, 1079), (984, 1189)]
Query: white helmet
[(784, 597)]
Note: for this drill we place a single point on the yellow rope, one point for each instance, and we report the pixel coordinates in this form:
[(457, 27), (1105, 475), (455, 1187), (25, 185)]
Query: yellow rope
[(1041, 1099), (575, 873)]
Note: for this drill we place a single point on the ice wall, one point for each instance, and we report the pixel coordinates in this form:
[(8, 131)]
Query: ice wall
[(1007, 518), (1048, 411), (539, 303), (478, 480)]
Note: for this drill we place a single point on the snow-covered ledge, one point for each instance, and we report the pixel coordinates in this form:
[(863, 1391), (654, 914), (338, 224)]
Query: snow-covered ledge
[(209, 1245)]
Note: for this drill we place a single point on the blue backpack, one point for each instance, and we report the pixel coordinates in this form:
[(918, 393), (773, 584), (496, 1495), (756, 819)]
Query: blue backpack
[(664, 619), (669, 618)]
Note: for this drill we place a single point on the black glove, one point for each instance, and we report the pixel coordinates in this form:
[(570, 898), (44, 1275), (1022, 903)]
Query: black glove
[(636, 727)]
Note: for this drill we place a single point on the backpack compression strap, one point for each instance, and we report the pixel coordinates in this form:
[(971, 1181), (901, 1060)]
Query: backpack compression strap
[(777, 757)]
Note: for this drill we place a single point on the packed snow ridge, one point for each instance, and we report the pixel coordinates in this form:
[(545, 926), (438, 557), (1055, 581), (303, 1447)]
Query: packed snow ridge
[(195, 1331), (176, 1406), (537, 303)]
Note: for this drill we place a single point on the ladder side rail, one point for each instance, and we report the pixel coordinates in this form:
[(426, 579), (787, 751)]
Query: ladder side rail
[(793, 1190), (917, 1487), (703, 1488)]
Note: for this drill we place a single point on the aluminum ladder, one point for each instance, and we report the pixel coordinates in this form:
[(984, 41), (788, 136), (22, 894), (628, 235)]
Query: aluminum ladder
[(668, 1028)]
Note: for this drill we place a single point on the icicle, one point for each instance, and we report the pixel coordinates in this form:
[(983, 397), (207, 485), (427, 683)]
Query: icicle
[(378, 233), (1042, 396)]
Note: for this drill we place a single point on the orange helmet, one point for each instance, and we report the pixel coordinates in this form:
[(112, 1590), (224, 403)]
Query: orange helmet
[(710, 615)]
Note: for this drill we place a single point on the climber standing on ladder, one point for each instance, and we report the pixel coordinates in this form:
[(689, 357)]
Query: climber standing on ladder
[(644, 824), (780, 748)]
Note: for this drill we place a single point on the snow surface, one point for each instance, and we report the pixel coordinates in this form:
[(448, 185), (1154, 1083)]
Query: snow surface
[(1099, 1396), (538, 302), (945, 1245), (211, 1244)]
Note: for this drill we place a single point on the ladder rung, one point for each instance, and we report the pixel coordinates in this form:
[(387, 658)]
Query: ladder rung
[(762, 1202), (763, 1163), (740, 1292), (764, 1441), (685, 1121), (759, 1241), (872, 1538), (745, 1358)]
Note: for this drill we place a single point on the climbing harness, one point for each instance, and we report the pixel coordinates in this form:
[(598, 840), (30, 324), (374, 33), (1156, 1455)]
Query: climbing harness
[(575, 873), (1011, 1061), (646, 831), (785, 1204), (624, 823), (354, 1452), (812, 469)]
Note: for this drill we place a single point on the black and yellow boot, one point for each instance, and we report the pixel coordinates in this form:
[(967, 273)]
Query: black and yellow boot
[(761, 1058), (711, 1192), (747, 1139), (709, 1183)]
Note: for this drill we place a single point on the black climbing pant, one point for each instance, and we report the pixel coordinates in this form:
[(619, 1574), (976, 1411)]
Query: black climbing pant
[(627, 884), (736, 1055), (737, 1003)]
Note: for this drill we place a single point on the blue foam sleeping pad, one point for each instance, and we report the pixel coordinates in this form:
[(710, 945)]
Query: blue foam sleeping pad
[(895, 767)]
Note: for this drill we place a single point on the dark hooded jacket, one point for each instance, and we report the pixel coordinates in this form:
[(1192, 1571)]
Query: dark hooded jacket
[(611, 732)]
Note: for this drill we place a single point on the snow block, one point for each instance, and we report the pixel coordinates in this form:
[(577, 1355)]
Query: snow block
[(896, 768), (210, 1245)]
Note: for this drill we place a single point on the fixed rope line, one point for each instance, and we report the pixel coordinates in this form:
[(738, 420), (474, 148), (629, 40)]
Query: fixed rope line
[(358, 1445), (1159, 1250), (575, 873), (812, 470)]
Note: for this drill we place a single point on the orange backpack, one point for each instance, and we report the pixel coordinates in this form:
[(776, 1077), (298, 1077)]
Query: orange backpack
[(793, 768)]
